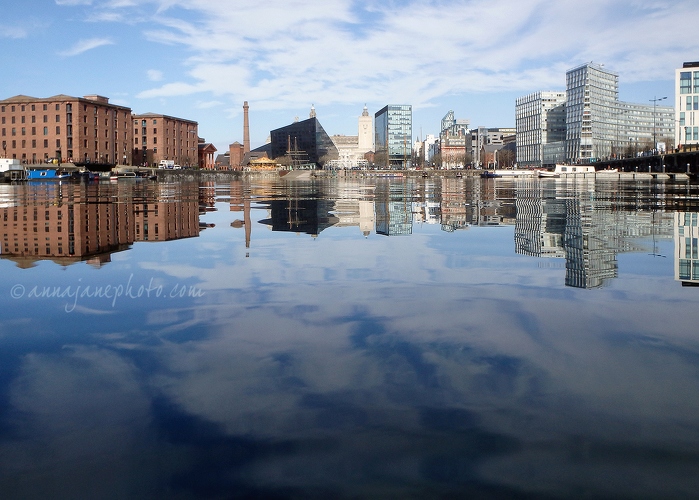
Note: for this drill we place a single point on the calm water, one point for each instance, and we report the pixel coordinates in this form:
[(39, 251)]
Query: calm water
[(375, 338)]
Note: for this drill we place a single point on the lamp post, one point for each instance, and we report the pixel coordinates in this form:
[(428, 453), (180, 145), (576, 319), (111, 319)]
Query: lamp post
[(655, 101)]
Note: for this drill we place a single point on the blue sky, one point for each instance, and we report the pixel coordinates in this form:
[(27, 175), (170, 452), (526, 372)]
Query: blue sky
[(200, 59)]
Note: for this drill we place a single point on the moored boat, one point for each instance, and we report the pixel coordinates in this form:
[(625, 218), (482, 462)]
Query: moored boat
[(574, 169), (34, 174)]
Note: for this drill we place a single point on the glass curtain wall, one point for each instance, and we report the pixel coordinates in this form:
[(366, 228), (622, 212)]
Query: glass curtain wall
[(394, 130)]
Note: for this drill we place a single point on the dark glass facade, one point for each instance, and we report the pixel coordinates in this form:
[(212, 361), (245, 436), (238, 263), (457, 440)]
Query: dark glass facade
[(304, 142)]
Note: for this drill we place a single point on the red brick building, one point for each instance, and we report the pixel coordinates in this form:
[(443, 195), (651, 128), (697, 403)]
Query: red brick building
[(83, 130), (161, 137)]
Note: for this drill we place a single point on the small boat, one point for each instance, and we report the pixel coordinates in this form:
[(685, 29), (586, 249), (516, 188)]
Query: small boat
[(34, 174), (548, 173), (504, 172), (84, 175), (488, 174), (115, 176), (574, 169)]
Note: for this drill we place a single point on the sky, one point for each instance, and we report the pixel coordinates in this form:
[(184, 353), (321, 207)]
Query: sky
[(200, 59)]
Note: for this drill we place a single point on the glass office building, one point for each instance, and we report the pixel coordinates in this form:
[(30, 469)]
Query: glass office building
[(393, 130)]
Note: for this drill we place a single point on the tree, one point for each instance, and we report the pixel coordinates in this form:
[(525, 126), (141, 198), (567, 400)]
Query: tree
[(506, 158)]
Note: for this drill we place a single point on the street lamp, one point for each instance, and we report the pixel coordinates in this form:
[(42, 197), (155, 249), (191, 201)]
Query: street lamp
[(655, 101)]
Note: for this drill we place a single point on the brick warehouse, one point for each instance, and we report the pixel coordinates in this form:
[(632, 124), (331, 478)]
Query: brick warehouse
[(91, 131)]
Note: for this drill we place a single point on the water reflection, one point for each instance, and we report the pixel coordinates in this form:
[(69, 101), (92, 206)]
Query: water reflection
[(340, 363), (70, 222)]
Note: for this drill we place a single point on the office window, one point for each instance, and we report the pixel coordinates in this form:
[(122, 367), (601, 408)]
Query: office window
[(46, 119), (696, 102), (155, 140), (46, 143), (33, 130), (24, 131), (58, 143), (33, 118), (58, 107), (46, 107), (688, 106), (46, 131), (685, 82)]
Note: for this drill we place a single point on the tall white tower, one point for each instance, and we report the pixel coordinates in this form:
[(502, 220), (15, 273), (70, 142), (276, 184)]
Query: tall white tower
[(366, 132)]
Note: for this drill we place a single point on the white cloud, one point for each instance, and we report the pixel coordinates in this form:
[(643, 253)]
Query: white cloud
[(342, 53), (210, 104), (85, 45), (12, 32), (71, 3), (154, 75)]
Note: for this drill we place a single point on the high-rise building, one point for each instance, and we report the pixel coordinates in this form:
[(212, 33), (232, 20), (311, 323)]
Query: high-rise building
[(687, 104), (541, 123), (592, 96), (79, 129), (393, 130), (598, 125)]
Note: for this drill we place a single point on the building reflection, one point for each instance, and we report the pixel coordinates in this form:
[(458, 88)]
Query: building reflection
[(72, 222), (393, 209), (585, 227), (686, 248), (584, 223)]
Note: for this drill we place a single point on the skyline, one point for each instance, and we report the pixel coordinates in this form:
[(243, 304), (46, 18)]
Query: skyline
[(200, 60)]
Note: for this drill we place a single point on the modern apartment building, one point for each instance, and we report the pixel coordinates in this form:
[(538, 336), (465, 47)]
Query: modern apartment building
[(161, 137), (393, 130), (598, 125), (540, 120), (80, 129), (687, 104), (592, 96)]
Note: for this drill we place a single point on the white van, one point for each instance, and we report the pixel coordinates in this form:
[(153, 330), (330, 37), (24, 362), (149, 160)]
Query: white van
[(166, 164)]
